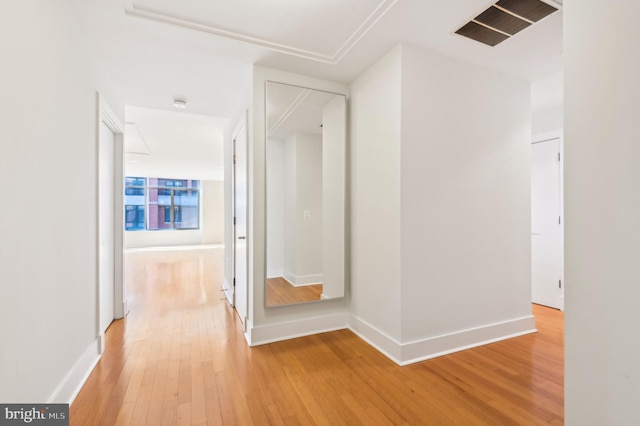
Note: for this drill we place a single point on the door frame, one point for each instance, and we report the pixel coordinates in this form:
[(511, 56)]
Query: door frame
[(106, 115), (545, 137), (243, 124)]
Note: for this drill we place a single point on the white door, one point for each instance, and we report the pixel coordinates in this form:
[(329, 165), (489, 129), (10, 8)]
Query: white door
[(546, 227), (240, 228), (106, 226)]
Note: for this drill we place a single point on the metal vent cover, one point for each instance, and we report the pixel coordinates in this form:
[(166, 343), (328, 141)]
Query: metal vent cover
[(504, 19), (533, 10), (480, 33)]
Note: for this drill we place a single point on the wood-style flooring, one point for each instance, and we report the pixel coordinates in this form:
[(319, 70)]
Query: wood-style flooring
[(180, 358), (281, 292)]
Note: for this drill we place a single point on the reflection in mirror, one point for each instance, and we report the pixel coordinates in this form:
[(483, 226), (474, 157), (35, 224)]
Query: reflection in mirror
[(305, 193)]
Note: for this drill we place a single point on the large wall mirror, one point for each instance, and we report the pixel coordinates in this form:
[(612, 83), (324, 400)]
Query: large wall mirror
[(305, 195)]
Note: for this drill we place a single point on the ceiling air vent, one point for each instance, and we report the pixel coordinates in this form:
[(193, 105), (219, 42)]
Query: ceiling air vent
[(504, 19), (533, 10), (482, 34)]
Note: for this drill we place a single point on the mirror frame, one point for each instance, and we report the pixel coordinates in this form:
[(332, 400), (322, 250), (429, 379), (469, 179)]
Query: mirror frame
[(344, 191)]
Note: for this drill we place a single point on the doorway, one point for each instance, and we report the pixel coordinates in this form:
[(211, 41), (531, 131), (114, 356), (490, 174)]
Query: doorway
[(173, 196), (546, 223), (240, 200), (110, 294)]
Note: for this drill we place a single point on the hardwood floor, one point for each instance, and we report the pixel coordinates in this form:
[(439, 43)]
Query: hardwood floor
[(281, 292), (180, 358)]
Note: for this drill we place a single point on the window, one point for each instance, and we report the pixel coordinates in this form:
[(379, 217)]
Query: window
[(158, 203), (177, 214), (134, 203), (134, 218)]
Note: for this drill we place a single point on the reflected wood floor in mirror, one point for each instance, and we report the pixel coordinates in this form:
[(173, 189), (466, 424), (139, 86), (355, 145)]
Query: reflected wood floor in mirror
[(281, 292), (180, 358)]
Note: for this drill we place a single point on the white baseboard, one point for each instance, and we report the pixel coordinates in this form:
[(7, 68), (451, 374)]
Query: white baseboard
[(101, 344), (248, 326), (121, 310), (289, 277), (68, 389), (384, 343), (302, 280), (270, 333), (400, 353), (226, 294), (436, 346), (432, 347)]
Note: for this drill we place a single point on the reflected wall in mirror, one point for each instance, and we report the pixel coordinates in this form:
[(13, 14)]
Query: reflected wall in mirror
[(305, 194)]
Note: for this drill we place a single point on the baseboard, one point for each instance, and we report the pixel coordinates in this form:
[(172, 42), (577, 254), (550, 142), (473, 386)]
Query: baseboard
[(432, 347), (226, 285), (289, 277), (270, 333), (102, 343), (121, 311), (302, 280), (68, 389), (384, 343), (248, 326)]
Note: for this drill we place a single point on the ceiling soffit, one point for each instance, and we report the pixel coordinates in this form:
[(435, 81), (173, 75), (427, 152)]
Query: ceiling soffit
[(324, 33)]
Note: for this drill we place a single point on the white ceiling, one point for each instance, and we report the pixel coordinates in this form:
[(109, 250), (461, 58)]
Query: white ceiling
[(151, 61), (171, 144), (294, 109), (294, 27), (152, 51)]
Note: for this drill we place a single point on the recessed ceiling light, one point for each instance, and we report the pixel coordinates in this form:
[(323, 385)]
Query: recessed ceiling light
[(179, 103)]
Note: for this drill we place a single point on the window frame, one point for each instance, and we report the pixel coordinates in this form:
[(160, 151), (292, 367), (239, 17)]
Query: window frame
[(168, 188)]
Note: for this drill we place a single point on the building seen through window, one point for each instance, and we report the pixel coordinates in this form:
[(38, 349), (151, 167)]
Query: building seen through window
[(159, 203)]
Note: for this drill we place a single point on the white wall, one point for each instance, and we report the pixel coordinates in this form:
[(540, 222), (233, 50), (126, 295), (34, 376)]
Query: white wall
[(308, 244), (547, 120), (334, 197), (374, 112), (465, 197), (275, 208), (212, 212), (48, 319), (440, 205), (602, 207), (290, 205), (547, 103)]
